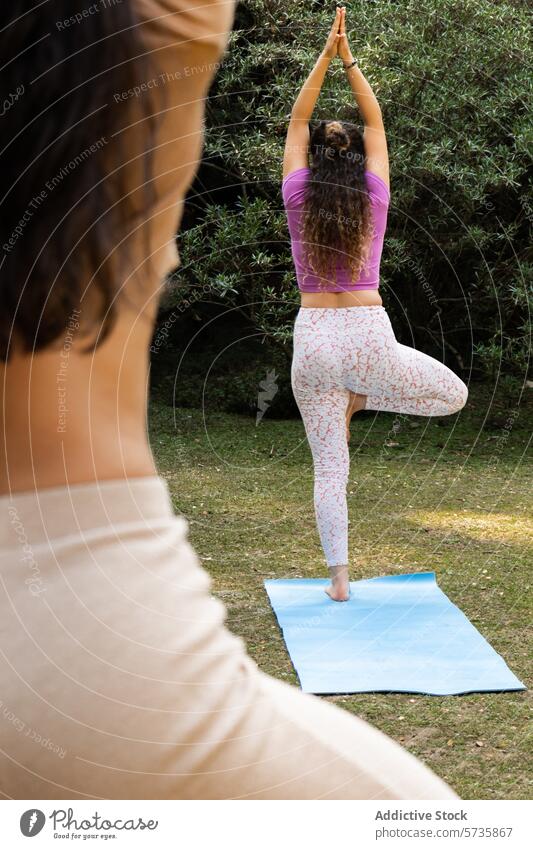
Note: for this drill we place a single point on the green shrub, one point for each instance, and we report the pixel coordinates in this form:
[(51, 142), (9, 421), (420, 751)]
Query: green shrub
[(453, 80), (239, 376)]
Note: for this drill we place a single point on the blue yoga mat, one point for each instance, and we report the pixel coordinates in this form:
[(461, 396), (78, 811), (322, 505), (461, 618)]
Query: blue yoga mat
[(397, 634)]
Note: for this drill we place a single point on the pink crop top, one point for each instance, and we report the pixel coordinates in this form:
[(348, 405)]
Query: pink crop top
[(293, 191)]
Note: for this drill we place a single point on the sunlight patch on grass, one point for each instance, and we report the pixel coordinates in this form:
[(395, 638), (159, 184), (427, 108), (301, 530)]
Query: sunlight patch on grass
[(501, 527)]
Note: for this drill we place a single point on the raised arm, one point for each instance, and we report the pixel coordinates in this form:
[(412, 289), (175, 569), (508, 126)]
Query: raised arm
[(375, 138), (297, 142)]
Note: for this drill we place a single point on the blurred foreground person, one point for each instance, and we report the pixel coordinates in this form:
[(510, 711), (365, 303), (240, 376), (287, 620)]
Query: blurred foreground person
[(119, 678)]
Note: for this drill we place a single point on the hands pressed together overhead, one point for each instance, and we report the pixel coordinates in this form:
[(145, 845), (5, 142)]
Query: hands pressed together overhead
[(337, 41), (297, 142)]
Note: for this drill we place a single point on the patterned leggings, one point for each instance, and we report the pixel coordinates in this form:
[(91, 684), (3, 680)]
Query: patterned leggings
[(337, 350)]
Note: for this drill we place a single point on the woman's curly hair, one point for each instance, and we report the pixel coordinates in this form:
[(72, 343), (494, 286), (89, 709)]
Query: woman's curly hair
[(337, 216)]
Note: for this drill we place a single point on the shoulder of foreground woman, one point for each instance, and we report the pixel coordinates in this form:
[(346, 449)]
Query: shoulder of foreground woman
[(189, 24), (185, 41)]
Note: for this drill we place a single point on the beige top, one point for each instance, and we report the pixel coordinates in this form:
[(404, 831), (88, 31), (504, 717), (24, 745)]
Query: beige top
[(119, 679)]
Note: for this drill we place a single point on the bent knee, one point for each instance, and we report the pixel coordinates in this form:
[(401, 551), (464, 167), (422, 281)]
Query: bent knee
[(460, 396)]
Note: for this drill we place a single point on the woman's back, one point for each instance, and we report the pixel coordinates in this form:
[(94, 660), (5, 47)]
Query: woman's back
[(294, 191)]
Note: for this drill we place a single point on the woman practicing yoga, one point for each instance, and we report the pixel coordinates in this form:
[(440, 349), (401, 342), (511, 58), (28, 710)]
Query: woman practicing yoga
[(346, 357)]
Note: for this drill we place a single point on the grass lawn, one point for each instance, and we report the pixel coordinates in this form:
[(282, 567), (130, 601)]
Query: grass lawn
[(451, 495)]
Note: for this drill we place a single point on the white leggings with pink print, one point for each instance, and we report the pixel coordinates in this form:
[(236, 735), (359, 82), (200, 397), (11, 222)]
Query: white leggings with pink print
[(337, 350)]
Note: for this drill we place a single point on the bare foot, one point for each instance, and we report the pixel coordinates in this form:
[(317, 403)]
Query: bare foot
[(339, 589), (356, 402)]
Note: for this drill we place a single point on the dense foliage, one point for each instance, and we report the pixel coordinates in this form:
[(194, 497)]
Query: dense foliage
[(453, 79)]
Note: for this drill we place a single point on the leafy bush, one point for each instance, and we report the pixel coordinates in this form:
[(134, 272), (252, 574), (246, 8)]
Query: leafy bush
[(453, 80), (225, 368)]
